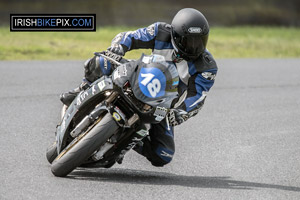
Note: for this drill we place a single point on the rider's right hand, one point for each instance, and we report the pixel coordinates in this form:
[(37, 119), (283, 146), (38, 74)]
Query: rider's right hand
[(177, 116), (117, 49)]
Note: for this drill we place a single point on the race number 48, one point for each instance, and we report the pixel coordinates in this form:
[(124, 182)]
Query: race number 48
[(153, 86)]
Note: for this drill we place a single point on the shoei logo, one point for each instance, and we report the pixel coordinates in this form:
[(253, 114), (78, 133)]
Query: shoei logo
[(194, 30)]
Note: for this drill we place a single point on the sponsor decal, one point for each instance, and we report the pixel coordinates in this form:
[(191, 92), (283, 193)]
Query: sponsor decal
[(116, 74), (120, 112), (116, 116), (105, 63), (82, 96), (93, 89), (160, 113), (208, 75), (151, 29), (119, 72), (152, 82), (194, 30), (142, 132), (101, 85), (124, 70)]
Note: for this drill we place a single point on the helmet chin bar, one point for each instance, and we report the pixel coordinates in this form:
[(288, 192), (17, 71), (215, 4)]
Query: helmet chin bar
[(180, 55)]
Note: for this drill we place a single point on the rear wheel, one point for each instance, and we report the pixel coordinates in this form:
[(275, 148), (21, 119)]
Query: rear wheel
[(84, 146)]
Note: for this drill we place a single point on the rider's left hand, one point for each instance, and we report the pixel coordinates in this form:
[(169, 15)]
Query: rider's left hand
[(117, 49)]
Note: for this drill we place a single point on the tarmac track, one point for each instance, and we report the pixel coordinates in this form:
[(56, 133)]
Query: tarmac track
[(244, 144)]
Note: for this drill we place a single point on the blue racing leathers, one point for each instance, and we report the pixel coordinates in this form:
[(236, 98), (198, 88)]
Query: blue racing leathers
[(196, 79)]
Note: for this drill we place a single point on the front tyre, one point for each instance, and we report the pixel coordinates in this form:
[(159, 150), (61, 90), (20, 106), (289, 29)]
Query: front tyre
[(51, 153), (85, 145), (63, 111)]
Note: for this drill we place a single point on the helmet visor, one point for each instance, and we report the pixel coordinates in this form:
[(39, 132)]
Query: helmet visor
[(190, 46)]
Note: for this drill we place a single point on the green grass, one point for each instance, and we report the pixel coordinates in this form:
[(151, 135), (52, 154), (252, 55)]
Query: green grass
[(234, 42), (255, 42)]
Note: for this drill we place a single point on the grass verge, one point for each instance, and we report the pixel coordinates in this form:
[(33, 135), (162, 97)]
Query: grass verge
[(224, 42)]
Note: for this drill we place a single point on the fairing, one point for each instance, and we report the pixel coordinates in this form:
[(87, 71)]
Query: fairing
[(153, 80), (95, 91)]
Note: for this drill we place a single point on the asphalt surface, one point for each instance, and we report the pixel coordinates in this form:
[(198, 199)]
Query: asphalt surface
[(244, 144)]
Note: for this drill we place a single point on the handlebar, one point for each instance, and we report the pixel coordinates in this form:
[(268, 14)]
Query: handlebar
[(114, 58)]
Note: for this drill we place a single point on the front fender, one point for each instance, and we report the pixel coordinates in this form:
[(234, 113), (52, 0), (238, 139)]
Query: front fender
[(84, 98)]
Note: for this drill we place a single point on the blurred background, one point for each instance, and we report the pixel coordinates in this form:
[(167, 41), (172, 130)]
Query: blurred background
[(239, 28), (143, 12)]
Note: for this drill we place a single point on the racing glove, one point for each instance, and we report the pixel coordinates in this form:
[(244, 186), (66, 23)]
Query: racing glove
[(117, 49), (177, 116)]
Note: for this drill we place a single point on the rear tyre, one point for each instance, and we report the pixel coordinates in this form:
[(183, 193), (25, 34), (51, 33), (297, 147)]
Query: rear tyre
[(74, 155)]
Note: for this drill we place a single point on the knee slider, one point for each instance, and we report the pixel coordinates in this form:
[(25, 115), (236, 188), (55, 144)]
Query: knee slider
[(162, 157)]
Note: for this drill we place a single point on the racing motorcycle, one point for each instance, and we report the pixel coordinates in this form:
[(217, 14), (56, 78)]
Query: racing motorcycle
[(114, 114)]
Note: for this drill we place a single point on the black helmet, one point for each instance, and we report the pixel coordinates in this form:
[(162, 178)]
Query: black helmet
[(189, 33)]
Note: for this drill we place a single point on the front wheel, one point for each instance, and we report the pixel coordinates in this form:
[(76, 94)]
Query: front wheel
[(51, 153), (84, 146)]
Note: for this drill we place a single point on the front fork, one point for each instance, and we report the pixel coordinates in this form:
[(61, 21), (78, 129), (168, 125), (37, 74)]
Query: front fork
[(119, 144)]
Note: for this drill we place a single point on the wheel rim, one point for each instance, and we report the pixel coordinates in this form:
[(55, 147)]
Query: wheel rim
[(77, 139)]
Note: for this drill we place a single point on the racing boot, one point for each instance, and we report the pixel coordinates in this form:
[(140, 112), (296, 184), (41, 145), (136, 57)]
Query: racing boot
[(67, 97)]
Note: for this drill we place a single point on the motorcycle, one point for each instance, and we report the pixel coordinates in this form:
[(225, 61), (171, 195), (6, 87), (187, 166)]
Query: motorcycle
[(114, 114)]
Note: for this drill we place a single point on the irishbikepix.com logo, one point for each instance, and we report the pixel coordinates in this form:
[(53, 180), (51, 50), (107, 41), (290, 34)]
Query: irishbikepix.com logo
[(53, 22)]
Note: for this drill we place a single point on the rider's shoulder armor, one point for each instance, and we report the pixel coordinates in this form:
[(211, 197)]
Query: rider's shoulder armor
[(205, 62), (164, 32)]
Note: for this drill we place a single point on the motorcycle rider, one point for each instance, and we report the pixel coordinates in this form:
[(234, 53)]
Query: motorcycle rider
[(183, 42)]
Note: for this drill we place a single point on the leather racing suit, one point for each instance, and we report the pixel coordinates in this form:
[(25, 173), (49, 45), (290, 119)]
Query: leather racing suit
[(196, 79)]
